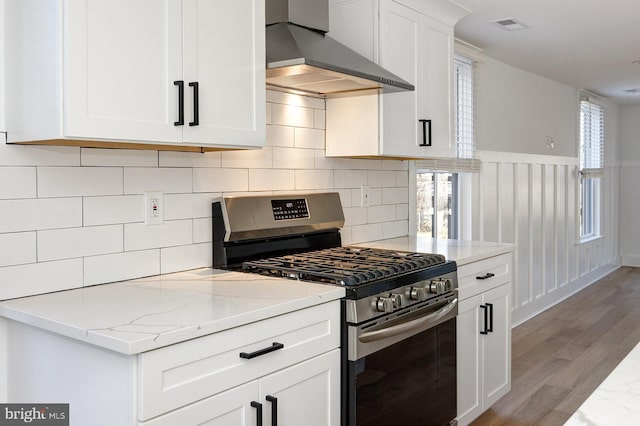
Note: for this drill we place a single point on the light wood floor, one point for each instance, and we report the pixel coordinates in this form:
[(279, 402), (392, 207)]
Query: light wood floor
[(560, 356)]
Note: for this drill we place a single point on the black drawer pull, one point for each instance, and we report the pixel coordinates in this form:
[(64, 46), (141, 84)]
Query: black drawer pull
[(485, 276), (426, 132), (486, 319), (180, 85), (258, 408), (274, 409), (490, 327), (274, 347), (196, 104)]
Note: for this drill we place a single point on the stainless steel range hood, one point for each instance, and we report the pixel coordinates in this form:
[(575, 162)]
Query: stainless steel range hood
[(301, 58)]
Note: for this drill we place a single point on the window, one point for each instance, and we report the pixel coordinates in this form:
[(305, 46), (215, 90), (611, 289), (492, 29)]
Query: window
[(437, 183), (591, 166), (437, 204)]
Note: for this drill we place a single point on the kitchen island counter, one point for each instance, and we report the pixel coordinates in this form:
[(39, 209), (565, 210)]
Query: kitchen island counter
[(140, 315), (463, 252)]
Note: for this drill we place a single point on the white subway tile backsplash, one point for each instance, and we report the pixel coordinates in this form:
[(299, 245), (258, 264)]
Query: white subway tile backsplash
[(381, 178), (395, 195), (349, 178), (402, 211), (37, 278), (17, 182), (138, 236), (395, 229), (220, 180), (189, 159), (183, 258), (314, 179), (323, 162), (309, 138), (32, 214), (363, 233), (113, 209), (364, 164), (291, 115), (187, 206), (385, 213), (291, 158), (58, 244), (17, 248), (121, 266), (319, 119), (86, 205), (79, 181), (23, 155), (355, 216), (271, 180), (118, 157), (280, 136), (248, 159), (202, 230), (138, 180)]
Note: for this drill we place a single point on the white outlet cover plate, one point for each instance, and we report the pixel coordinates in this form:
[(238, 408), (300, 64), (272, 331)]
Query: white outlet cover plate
[(149, 201)]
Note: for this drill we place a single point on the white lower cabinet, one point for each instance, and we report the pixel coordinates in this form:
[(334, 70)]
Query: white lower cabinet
[(483, 335), (286, 366), (304, 394)]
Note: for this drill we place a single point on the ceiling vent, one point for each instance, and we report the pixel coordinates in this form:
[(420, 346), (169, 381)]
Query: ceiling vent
[(509, 24)]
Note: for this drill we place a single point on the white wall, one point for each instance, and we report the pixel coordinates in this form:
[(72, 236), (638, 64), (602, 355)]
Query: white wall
[(517, 111), (630, 188), (525, 197)]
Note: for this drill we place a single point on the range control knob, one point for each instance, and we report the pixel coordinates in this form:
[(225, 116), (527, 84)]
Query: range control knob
[(448, 284), (437, 287), (398, 300), (418, 293), (384, 304)]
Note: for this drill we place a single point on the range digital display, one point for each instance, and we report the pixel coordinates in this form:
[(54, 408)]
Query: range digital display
[(290, 209)]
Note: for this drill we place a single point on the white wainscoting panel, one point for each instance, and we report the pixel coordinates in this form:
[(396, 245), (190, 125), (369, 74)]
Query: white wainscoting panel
[(531, 201)]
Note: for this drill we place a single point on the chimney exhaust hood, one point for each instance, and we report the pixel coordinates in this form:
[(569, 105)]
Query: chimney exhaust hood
[(301, 58)]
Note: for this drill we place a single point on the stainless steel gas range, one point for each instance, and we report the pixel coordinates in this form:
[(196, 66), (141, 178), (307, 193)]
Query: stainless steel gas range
[(399, 330)]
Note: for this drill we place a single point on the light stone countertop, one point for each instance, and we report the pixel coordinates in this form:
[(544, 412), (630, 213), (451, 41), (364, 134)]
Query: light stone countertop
[(617, 400), (144, 314), (462, 252)]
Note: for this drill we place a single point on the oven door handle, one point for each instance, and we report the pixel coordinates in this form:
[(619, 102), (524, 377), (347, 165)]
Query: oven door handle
[(404, 327)]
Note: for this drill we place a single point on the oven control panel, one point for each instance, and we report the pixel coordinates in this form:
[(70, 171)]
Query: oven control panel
[(290, 209)]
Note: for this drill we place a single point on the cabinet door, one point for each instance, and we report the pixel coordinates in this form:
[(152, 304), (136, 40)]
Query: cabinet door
[(497, 346), (469, 340), (230, 408), (121, 58), (400, 47), (434, 90), (224, 52), (305, 394)]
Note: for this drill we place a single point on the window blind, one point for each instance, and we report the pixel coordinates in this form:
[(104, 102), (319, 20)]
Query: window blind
[(591, 139), (464, 107)]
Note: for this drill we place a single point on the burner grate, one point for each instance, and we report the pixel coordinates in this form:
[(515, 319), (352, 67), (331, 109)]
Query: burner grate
[(348, 266)]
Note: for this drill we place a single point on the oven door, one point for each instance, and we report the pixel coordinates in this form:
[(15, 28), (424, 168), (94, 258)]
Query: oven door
[(402, 371)]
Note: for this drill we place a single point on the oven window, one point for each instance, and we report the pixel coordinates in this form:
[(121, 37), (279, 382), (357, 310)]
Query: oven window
[(412, 382)]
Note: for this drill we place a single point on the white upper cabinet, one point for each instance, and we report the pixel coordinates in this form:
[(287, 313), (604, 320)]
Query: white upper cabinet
[(414, 40), (179, 72)]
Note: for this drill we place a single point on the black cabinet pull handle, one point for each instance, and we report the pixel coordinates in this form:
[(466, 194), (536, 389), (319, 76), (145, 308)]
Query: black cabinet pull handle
[(426, 132), (196, 104), (274, 409), (485, 276), (486, 319), (180, 85), (258, 408), (490, 307), (274, 347)]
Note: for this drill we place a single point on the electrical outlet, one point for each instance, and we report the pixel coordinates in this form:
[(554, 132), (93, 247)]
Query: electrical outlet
[(364, 196), (153, 208)]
